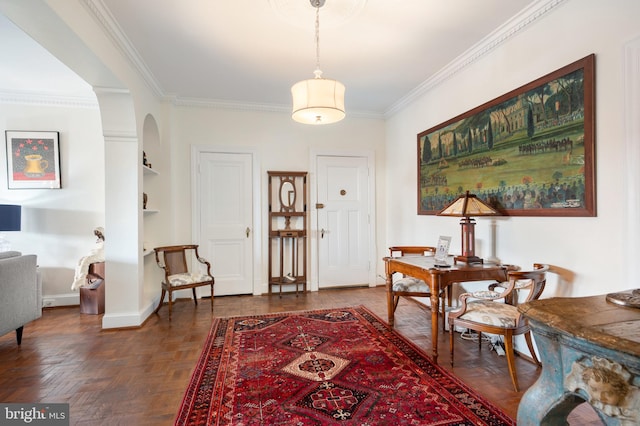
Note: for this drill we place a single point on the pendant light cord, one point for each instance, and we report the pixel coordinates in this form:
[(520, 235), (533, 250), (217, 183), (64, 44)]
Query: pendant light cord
[(317, 72)]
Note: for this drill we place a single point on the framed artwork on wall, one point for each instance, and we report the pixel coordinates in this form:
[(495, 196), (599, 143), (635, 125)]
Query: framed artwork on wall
[(33, 159), (529, 152)]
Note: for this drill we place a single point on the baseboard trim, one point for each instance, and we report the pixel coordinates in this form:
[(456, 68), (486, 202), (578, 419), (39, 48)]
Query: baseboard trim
[(129, 320), (67, 299), (124, 320)]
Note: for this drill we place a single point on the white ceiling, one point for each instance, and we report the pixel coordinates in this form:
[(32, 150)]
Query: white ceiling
[(251, 52), (27, 67)]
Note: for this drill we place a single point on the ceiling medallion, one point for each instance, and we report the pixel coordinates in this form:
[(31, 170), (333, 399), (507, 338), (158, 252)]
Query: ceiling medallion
[(334, 12)]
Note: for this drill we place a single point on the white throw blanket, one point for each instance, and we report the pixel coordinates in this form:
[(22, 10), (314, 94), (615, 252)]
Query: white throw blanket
[(94, 256)]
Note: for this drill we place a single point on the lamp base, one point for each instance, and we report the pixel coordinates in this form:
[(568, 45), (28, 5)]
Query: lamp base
[(468, 259)]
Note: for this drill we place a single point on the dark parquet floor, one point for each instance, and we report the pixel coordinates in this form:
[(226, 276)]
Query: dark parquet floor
[(138, 376)]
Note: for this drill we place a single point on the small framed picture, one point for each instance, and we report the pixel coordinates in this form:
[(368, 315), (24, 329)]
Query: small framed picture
[(442, 249), (33, 160)]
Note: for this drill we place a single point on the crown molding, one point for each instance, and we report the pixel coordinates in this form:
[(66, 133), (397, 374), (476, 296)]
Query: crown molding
[(532, 14), (112, 29), (222, 104), (48, 100), (248, 106), (529, 15), (106, 20), (505, 32)]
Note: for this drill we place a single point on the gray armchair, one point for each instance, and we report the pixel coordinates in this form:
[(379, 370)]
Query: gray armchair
[(20, 292)]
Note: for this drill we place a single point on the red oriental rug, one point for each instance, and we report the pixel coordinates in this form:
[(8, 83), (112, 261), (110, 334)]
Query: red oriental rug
[(340, 366)]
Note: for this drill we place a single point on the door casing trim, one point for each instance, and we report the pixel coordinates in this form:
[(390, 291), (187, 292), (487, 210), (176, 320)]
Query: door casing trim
[(259, 286), (314, 271)]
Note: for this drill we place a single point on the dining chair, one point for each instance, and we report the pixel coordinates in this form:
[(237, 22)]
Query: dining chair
[(494, 311), (408, 286), (178, 275)]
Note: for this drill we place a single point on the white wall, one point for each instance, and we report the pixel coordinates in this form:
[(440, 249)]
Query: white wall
[(75, 36), (58, 224), (593, 248), (280, 143)]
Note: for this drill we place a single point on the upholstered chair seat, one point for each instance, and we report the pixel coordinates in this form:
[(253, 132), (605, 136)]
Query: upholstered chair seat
[(407, 286), (173, 260), (188, 278), (491, 313), (410, 285), (494, 311)]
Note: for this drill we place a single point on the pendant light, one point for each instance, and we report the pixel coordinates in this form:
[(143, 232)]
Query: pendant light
[(318, 100)]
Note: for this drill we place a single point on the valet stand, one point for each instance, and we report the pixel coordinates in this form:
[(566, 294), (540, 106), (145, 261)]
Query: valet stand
[(287, 231)]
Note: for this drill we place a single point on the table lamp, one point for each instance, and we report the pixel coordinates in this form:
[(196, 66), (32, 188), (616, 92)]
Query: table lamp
[(465, 206), (10, 216)]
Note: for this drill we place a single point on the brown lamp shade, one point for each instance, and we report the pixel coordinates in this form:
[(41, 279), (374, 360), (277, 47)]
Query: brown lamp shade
[(465, 206), (468, 205)]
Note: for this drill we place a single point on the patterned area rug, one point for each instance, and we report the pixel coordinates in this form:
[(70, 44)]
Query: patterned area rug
[(340, 366)]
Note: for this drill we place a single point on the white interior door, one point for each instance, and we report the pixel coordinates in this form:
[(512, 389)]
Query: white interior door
[(225, 219), (343, 221)]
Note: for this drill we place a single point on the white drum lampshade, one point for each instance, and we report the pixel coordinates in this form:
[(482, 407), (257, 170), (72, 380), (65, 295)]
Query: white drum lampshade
[(318, 101)]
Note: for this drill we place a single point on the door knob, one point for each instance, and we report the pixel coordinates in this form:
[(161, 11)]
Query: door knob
[(247, 231), (322, 233)]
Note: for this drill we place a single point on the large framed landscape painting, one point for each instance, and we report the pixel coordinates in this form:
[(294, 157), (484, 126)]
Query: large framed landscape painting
[(530, 152)]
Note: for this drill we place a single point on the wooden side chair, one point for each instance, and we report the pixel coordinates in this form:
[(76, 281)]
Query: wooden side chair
[(494, 311), (177, 276), (409, 286)]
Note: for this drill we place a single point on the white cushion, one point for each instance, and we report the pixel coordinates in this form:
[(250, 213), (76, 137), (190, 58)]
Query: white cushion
[(493, 313), (411, 285), (188, 278)]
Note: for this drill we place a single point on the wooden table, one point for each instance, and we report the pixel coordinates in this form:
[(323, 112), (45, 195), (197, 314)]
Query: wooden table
[(438, 279), (590, 351)]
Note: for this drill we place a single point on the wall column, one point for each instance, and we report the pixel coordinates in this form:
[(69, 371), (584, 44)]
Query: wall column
[(123, 217)]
